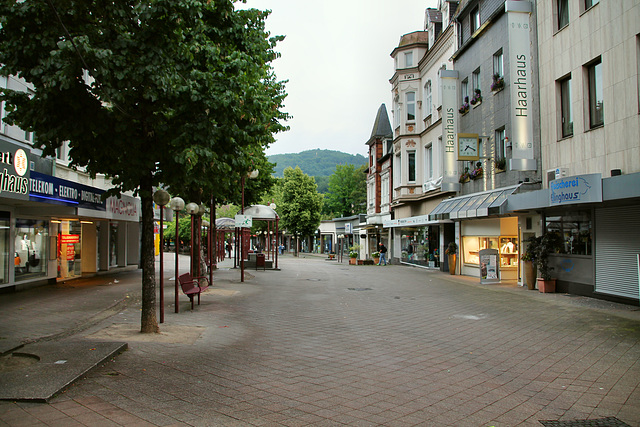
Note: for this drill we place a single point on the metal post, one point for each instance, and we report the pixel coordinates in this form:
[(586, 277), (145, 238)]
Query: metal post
[(161, 265), (177, 253)]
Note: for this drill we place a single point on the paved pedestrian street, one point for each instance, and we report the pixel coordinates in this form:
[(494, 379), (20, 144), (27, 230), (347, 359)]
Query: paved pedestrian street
[(323, 343)]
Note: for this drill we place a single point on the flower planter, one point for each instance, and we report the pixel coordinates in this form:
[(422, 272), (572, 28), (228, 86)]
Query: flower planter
[(352, 261), (376, 260), (530, 274), (546, 286), (452, 264)]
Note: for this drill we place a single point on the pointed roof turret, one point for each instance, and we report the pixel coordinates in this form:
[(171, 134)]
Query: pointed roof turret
[(381, 126)]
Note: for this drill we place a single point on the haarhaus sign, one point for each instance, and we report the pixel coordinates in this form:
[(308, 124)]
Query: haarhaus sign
[(14, 171), (518, 13), (449, 90)]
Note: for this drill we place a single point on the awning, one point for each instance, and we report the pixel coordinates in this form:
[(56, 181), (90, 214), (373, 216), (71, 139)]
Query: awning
[(475, 205)]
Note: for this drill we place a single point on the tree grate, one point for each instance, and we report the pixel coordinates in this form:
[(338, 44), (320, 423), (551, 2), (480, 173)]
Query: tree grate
[(600, 422)]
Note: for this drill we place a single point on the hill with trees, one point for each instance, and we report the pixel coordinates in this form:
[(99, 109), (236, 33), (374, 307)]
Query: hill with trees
[(316, 163)]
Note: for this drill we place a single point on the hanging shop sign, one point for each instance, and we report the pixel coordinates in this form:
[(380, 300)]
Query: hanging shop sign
[(518, 13), (449, 90), (14, 171), (244, 221), (576, 189), (50, 189)]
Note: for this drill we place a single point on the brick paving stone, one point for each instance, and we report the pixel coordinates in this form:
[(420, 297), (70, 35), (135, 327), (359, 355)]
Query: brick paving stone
[(297, 347)]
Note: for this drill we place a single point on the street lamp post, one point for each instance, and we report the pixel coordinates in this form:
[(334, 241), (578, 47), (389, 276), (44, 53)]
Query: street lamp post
[(192, 209), (161, 198), (252, 174), (177, 204)]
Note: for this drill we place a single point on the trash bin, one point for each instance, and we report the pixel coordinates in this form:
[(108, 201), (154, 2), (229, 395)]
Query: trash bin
[(260, 261)]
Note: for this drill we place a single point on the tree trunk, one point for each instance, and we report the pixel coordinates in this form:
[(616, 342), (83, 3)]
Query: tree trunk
[(149, 322)]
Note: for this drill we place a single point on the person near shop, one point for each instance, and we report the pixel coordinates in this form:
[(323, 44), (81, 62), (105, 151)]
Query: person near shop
[(383, 254)]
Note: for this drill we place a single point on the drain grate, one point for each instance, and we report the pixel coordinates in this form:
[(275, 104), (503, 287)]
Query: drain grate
[(360, 289), (599, 422)]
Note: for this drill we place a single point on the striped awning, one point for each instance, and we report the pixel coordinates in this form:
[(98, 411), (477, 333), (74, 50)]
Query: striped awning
[(475, 205)]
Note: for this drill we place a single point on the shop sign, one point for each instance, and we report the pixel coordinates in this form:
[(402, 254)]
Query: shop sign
[(69, 238), (124, 207), (576, 189), (347, 228), (244, 221), (50, 189), (14, 171), (521, 78), (449, 90)]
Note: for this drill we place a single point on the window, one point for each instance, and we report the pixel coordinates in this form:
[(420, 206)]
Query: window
[(411, 106), (566, 113), (575, 229), (31, 238), (498, 67), (408, 59), (411, 171), (428, 162), (3, 84), (563, 13), (501, 149), (474, 18), (596, 98), (475, 80), (384, 190), (427, 99), (464, 90), (590, 3), (397, 170), (396, 113)]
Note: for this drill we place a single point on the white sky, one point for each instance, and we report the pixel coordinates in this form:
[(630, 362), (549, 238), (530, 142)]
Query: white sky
[(336, 56)]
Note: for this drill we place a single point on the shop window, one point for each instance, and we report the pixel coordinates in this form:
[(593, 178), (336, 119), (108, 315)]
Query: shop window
[(31, 238), (471, 246), (575, 229)]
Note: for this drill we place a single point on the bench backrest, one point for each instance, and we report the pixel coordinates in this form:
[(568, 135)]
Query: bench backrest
[(186, 282)]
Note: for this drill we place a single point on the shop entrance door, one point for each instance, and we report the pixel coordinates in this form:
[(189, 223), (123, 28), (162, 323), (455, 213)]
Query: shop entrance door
[(69, 250)]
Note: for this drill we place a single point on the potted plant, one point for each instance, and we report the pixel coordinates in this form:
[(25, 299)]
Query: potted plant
[(376, 257), (498, 83), (353, 254), (476, 172), (451, 252), (477, 97), (464, 177), (464, 109), (528, 260), (548, 243), (501, 163)]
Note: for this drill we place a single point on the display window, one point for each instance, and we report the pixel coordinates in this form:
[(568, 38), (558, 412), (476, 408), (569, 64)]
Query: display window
[(576, 230), (509, 252), (507, 247), (420, 245), (31, 238)]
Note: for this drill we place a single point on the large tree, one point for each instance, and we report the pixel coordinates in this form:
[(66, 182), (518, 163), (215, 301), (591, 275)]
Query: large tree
[(347, 191), (179, 92), (301, 205)]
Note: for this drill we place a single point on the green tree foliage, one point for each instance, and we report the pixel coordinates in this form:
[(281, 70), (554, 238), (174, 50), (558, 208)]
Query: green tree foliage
[(184, 232), (347, 191), (315, 162), (147, 92), (301, 205)]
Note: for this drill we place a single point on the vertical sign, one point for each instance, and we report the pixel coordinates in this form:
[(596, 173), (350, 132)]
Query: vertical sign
[(518, 13), (449, 90)]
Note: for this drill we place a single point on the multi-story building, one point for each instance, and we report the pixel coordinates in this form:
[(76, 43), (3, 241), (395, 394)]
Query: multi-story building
[(589, 61), (54, 223), (379, 178), (417, 159), (495, 142)]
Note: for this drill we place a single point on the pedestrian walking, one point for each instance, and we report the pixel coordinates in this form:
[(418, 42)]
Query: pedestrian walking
[(383, 254)]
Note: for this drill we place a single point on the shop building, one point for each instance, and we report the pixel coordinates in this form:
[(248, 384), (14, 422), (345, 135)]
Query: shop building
[(55, 225), (590, 146), (418, 143)]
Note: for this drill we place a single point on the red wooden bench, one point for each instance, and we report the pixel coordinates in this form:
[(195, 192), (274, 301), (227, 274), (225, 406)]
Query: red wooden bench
[(191, 286)]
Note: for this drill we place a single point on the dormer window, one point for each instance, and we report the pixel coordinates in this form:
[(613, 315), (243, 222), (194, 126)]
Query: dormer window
[(475, 19), (408, 59)]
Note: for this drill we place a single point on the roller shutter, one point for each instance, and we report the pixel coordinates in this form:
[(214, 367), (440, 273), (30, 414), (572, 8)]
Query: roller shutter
[(617, 249)]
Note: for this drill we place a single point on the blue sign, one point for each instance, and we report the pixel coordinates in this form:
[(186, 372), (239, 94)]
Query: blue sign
[(49, 189), (576, 189)]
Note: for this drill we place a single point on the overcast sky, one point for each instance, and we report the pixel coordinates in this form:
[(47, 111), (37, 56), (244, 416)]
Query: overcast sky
[(336, 56)]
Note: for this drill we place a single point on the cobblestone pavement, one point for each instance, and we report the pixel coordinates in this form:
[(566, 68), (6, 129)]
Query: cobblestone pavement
[(323, 344)]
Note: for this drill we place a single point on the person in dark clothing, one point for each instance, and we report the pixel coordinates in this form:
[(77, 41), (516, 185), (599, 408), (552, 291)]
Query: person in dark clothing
[(383, 254)]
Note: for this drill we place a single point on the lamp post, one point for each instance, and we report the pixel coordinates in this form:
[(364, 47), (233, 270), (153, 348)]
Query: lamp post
[(177, 204), (161, 198), (251, 174), (192, 209)]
